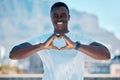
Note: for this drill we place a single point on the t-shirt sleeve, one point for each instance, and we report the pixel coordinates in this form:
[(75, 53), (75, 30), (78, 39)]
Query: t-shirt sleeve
[(39, 39), (22, 45), (85, 39), (35, 40)]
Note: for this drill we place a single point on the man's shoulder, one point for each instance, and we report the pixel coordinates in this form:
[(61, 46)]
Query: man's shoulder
[(83, 38), (39, 38)]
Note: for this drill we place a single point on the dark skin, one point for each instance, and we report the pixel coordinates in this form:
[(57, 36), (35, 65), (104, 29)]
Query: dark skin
[(60, 18), (60, 15)]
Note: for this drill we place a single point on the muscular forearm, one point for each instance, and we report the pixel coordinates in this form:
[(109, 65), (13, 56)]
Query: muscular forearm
[(25, 52), (97, 52)]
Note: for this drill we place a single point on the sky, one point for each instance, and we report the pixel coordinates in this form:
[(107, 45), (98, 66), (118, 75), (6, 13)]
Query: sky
[(107, 11)]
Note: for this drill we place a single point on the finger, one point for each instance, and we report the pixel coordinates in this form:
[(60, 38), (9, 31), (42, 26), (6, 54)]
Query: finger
[(67, 40), (53, 37), (63, 48), (54, 47), (50, 39), (65, 37)]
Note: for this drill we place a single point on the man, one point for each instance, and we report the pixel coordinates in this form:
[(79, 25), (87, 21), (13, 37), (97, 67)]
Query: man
[(61, 62)]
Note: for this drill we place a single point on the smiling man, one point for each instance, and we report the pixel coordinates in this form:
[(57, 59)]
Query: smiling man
[(65, 62), (60, 17)]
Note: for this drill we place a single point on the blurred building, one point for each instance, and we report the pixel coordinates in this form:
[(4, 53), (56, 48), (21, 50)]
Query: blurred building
[(32, 64), (93, 66), (103, 67), (115, 65), (100, 68)]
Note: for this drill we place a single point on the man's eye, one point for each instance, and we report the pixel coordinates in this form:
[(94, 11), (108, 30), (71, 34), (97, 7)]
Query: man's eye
[(63, 16), (55, 16)]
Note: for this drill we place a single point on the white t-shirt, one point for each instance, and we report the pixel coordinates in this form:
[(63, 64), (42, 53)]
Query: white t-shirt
[(62, 64)]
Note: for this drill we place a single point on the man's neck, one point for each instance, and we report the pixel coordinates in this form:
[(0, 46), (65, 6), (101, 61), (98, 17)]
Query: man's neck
[(61, 32)]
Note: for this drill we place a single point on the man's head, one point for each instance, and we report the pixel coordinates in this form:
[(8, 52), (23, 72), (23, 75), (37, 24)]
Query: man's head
[(60, 17)]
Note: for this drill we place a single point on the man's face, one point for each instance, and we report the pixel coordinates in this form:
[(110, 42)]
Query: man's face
[(60, 18)]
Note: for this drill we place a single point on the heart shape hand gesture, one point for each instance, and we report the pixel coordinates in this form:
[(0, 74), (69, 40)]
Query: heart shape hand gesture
[(48, 44)]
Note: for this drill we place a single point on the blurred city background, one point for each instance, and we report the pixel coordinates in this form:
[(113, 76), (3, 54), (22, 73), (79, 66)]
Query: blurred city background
[(20, 20)]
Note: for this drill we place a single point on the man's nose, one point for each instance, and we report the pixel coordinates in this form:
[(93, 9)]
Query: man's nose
[(59, 19)]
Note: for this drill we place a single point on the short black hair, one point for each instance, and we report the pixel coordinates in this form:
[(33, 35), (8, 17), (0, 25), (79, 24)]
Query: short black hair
[(59, 4)]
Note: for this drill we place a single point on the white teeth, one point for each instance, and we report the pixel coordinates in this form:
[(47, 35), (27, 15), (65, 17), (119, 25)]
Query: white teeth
[(59, 22)]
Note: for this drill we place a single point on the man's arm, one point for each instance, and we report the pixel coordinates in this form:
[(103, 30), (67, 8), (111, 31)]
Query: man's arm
[(24, 50), (95, 50)]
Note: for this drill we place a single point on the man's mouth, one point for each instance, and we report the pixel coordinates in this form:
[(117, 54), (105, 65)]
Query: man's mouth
[(59, 23)]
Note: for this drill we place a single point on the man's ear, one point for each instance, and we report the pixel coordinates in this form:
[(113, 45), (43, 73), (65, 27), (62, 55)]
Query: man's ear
[(69, 17)]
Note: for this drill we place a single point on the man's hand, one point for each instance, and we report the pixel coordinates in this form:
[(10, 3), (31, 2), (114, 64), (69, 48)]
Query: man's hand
[(49, 43), (69, 43)]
